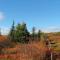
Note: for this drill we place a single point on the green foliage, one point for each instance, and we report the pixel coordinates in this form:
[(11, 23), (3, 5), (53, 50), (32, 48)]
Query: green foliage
[(12, 32), (39, 34), (22, 33), (19, 33), (33, 33), (0, 31)]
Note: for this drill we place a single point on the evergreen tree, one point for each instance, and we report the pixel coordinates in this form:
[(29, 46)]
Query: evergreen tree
[(12, 32), (25, 32), (22, 33), (39, 34), (19, 33), (33, 33), (0, 31)]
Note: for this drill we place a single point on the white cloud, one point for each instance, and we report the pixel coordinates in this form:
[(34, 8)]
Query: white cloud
[(1, 15), (51, 29), (5, 31)]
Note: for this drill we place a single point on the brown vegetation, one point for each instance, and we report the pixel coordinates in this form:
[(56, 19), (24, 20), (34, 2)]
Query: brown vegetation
[(35, 50), (32, 51)]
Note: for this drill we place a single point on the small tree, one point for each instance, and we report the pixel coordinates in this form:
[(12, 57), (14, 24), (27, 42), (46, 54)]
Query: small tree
[(33, 33), (26, 33), (22, 33), (12, 32), (0, 31), (39, 35)]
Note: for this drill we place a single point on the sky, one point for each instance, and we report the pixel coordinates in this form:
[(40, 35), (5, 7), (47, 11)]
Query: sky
[(42, 14)]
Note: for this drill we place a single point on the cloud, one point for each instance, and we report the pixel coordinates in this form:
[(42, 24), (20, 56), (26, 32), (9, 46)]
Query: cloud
[(1, 15), (51, 29), (5, 30)]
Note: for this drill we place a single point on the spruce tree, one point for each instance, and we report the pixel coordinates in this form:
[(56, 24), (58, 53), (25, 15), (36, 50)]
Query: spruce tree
[(33, 33), (22, 33), (12, 32), (39, 35), (0, 31)]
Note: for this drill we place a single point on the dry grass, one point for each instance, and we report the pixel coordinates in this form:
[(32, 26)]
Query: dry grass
[(3, 38), (32, 51)]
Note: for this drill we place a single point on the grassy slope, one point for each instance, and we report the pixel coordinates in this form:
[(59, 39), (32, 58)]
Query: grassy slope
[(33, 51), (56, 39)]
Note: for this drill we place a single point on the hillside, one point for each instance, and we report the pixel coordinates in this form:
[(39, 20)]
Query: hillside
[(3, 38), (36, 50), (33, 51)]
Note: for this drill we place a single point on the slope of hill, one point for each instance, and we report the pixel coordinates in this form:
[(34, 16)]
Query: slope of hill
[(4, 41), (33, 51), (55, 40), (3, 38)]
